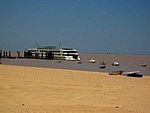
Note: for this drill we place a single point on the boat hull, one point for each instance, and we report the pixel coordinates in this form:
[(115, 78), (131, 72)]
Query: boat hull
[(134, 75)]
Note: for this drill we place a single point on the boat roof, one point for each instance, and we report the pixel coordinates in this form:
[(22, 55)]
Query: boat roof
[(46, 47), (67, 49)]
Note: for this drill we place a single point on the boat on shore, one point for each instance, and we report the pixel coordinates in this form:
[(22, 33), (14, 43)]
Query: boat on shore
[(133, 74), (116, 72)]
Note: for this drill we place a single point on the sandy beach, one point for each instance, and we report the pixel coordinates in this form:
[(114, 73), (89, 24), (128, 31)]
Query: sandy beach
[(45, 90)]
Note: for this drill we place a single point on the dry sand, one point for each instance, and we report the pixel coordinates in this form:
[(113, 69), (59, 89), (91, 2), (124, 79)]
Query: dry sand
[(43, 90)]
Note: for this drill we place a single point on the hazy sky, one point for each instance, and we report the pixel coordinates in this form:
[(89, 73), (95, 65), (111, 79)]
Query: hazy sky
[(90, 26)]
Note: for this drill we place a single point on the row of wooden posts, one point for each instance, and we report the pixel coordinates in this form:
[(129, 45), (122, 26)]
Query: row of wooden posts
[(24, 54), (7, 54)]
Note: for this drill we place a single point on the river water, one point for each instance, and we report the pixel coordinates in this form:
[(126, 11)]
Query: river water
[(127, 63)]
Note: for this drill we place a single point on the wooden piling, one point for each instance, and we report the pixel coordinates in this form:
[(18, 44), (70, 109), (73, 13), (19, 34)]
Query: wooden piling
[(9, 54), (0, 54)]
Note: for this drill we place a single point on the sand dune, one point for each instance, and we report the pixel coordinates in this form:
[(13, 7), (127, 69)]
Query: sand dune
[(44, 90)]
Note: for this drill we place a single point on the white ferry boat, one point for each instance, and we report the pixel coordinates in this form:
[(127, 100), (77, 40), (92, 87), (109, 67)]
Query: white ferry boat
[(51, 52)]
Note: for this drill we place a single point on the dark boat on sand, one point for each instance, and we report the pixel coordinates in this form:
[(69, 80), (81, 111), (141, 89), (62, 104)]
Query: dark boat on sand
[(134, 74)]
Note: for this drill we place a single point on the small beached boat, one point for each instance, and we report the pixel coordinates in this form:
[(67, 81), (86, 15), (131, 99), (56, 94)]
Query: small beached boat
[(133, 74), (116, 72)]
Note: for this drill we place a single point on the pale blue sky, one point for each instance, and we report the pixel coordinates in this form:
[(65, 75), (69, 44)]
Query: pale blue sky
[(90, 26)]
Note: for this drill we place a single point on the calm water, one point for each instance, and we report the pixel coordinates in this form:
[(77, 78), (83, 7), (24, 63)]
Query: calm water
[(127, 63)]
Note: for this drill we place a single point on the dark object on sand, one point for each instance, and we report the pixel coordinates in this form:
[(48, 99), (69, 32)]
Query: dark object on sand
[(0, 63), (134, 75), (102, 67), (116, 72)]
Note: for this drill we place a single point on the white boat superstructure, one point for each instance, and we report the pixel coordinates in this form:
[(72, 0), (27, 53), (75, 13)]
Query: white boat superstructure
[(66, 54), (50, 52)]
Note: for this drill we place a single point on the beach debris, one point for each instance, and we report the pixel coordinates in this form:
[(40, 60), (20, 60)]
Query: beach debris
[(115, 64), (116, 72), (102, 66), (143, 65), (117, 107), (133, 74), (92, 60)]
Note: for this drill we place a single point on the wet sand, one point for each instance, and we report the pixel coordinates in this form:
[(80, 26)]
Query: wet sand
[(43, 90)]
